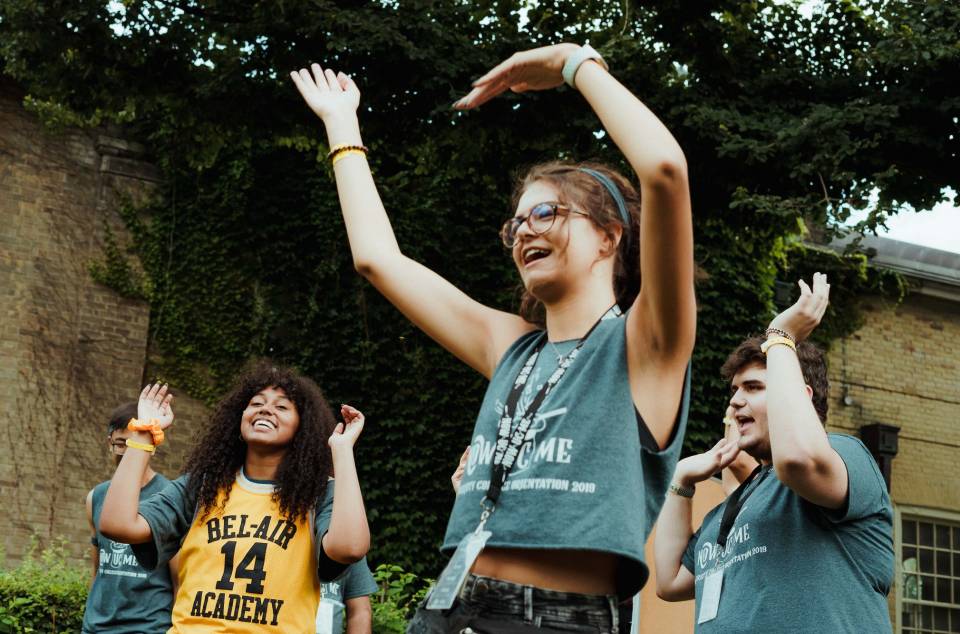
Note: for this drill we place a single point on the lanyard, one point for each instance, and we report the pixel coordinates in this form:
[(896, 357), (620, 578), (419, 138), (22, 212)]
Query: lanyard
[(736, 501), (509, 442)]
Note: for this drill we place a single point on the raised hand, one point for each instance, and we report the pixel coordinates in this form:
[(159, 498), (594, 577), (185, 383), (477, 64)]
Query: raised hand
[(700, 467), (800, 319), (328, 94), (457, 476), (154, 403), (345, 435), (536, 69)]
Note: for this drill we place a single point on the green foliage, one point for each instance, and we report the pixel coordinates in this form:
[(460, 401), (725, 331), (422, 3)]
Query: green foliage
[(786, 121), (43, 594), (116, 269), (47, 594), (400, 593)]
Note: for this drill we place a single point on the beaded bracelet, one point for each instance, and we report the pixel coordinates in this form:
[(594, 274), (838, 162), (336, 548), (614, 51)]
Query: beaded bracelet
[(345, 153), (782, 333), (343, 147)]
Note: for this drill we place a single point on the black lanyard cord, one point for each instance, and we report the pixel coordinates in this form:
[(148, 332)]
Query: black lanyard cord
[(736, 501), (510, 441)]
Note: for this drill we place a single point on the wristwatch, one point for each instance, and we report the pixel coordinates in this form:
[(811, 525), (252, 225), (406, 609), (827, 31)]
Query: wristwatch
[(682, 491), (578, 57)]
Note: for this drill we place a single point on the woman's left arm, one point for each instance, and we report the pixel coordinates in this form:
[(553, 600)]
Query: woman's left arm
[(661, 327), (662, 324)]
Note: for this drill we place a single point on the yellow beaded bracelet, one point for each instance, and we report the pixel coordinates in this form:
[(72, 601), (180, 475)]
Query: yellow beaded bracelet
[(347, 152), (142, 446), (777, 341), (343, 147)]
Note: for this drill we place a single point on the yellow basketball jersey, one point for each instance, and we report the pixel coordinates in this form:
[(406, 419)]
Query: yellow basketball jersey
[(247, 569)]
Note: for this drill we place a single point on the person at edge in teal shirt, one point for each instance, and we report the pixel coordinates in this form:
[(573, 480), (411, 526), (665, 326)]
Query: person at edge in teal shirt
[(805, 544), (124, 596), (345, 602)]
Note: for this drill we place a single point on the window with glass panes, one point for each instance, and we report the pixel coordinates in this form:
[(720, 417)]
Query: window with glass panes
[(930, 582)]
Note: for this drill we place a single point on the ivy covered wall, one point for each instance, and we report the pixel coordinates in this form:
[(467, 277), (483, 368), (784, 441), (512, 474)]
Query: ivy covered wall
[(787, 122)]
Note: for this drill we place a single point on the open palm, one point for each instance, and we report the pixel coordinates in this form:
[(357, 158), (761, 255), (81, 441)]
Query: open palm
[(328, 93), (154, 403)]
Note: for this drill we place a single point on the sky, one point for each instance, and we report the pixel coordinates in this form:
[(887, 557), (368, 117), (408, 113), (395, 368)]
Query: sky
[(937, 228)]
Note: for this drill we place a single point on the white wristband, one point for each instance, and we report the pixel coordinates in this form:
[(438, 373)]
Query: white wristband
[(578, 57)]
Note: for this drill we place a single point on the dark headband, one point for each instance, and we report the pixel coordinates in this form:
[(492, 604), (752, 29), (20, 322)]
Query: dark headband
[(614, 192)]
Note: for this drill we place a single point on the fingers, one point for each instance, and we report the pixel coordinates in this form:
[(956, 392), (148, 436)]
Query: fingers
[(495, 71), (319, 77), (464, 457), (726, 455), (332, 82), (338, 429)]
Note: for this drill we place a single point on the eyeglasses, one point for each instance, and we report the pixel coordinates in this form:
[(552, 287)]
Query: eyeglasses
[(540, 219)]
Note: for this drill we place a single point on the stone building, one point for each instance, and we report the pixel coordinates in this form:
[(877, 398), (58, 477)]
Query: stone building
[(70, 349), (896, 381)]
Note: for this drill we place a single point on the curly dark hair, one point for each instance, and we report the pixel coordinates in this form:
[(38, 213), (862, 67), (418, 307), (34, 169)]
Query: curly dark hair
[(813, 364), (584, 192), (302, 476)]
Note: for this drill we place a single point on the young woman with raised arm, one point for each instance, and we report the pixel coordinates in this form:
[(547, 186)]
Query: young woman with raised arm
[(582, 423), (254, 518)]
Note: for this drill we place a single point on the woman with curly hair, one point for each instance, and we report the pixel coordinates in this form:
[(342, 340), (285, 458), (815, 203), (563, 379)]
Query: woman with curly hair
[(254, 517), (583, 419)]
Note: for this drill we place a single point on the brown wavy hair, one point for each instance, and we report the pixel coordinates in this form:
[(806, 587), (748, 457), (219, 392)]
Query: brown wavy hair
[(302, 476), (585, 193)]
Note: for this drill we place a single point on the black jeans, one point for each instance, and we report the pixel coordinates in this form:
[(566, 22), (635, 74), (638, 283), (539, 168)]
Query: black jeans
[(493, 606)]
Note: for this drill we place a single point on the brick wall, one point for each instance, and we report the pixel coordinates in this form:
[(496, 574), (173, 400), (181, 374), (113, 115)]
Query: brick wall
[(902, 368), (70, 349)]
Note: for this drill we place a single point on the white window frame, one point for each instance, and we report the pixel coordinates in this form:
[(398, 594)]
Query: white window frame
[(922, 513)]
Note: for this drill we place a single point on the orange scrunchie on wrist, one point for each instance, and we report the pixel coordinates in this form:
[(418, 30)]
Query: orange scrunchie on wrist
[(153, 427)]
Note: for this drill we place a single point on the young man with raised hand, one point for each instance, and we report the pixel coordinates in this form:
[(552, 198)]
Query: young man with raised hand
[(805, 544), (124, 596)]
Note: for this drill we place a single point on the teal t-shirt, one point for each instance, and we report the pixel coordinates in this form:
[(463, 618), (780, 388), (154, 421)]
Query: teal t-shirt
[(356, 581), (583, 478), (125, 596), (792, 566)]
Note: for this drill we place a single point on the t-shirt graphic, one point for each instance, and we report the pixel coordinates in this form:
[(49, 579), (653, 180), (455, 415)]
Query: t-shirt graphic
[(792, 566)]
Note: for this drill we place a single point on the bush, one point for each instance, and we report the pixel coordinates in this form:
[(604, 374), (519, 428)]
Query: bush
[(400, 593), (45, 593)]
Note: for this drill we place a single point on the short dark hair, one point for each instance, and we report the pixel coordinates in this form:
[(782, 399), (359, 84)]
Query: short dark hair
[(813, 364), (121, 416)]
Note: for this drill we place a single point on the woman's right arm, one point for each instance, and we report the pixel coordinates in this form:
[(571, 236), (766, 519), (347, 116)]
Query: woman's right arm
[(119, 519), (476, 334)]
